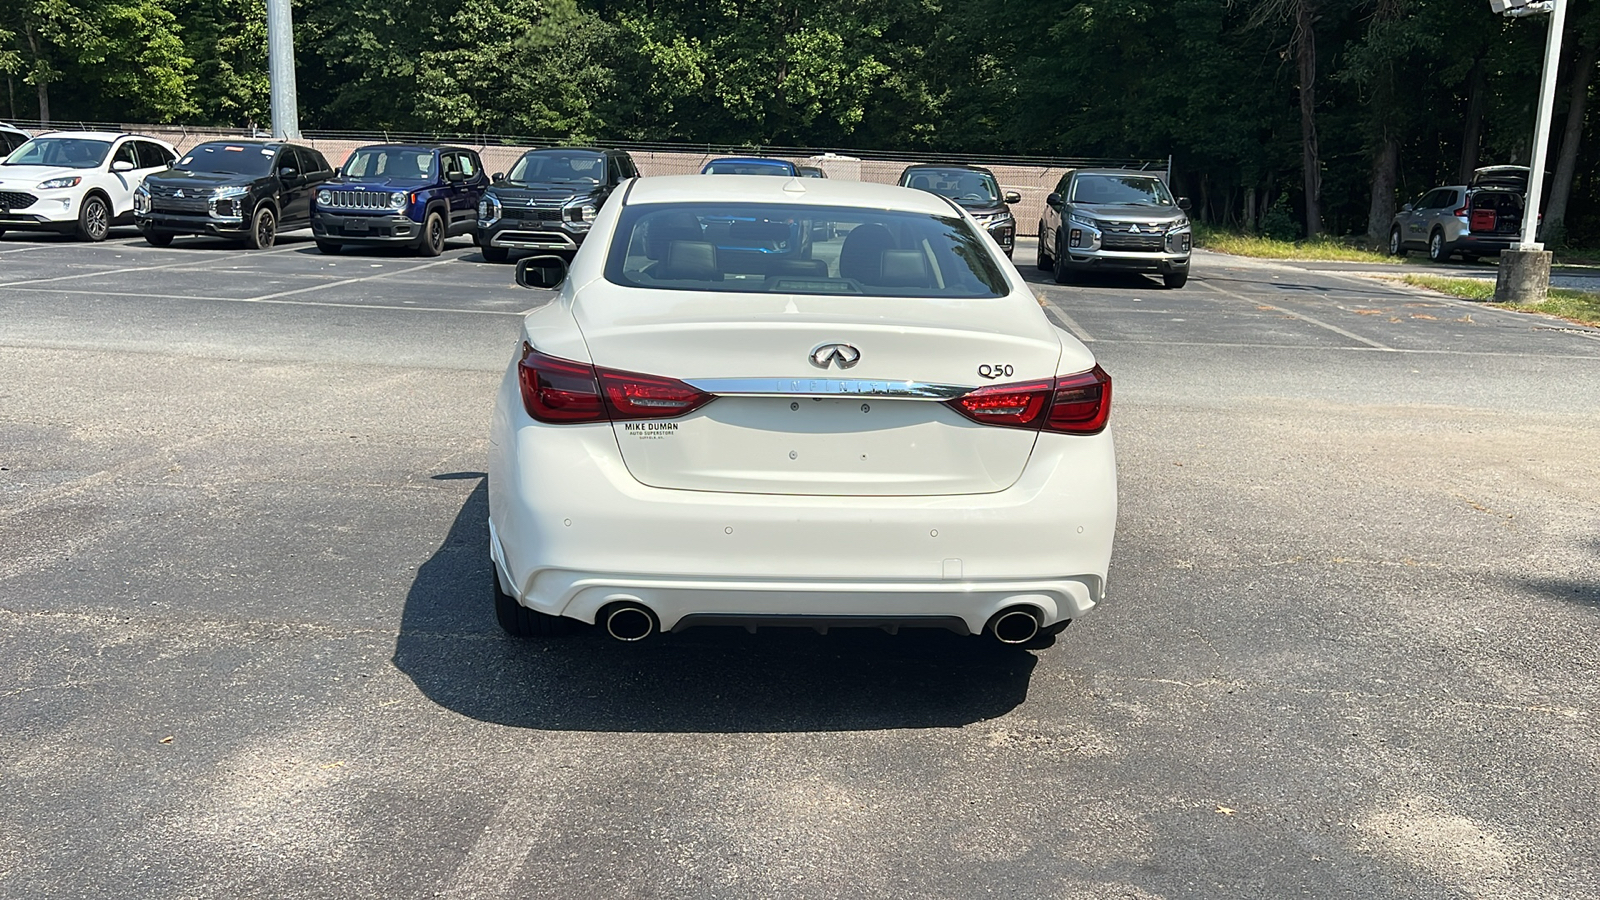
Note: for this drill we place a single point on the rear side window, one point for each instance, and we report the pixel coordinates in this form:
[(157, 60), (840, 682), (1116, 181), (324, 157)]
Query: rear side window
[(153, 156), (776, 248), (125, 154), (468, 163)]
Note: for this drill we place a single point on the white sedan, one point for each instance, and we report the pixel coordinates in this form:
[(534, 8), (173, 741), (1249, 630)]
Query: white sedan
[(77, 182), (762, 401)]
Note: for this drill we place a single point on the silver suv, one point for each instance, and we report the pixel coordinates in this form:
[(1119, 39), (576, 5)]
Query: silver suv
[(1114, 219), (1477, 219)]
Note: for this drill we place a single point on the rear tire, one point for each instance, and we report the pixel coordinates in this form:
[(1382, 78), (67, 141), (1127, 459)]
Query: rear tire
[(494, 254), (329, 248), (94, 219), (1175, 280), (432, 242), (158, 238), (263, 230), (519, 621), (1438, 250), (1041, 259)]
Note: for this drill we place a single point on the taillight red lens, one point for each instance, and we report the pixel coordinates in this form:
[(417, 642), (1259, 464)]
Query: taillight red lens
[(559, 390), (1081, 403), (1070, 404), (633, 396), (562, 391), (1012, 405)]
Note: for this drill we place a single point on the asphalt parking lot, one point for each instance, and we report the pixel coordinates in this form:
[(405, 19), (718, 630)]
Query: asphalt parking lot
[(245, 609)]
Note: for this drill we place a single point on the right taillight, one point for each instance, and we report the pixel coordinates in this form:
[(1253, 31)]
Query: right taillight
[(1068, 404), (560, 391)]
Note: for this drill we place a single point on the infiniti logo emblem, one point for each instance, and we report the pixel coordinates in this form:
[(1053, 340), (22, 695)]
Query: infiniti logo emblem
[(827, 354)]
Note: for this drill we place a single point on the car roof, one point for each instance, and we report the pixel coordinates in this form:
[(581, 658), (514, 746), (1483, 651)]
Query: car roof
[(409, 146), (759, 160), (1149, 173), (93, 135), (595, 150), (766, 189), (961, 166)]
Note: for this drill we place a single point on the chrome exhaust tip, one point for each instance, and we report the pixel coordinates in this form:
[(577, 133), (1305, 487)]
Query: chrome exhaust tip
[(630, 622), (1015, 626)]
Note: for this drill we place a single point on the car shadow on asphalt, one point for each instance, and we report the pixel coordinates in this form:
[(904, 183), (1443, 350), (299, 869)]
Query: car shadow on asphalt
[(703, 680)]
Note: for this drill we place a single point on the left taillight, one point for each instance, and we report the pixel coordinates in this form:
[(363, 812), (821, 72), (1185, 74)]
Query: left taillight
[(560, 391), (1067, 404)]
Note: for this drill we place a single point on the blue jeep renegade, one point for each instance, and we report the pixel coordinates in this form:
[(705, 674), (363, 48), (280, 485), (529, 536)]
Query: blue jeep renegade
[(414, 195)]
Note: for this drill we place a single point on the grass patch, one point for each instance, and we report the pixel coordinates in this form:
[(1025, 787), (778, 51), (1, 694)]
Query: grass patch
[(1323, 249), (1574, 306)]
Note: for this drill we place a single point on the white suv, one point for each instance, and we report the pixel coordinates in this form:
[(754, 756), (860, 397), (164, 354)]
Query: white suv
[(77, 182)]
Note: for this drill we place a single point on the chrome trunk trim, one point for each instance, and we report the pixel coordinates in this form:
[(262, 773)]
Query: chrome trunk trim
[(827, 387)]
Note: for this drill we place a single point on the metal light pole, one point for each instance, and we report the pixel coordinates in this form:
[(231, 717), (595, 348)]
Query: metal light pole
[(1524, 275), (280, 70)]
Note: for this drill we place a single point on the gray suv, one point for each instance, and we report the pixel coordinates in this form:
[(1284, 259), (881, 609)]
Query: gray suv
[(1114, 219), (1477, 219)]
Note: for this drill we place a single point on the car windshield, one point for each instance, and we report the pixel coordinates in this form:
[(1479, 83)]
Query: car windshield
[(558, 167), (964, 186), (390, 163), (735, 167), (1121, 190), (783, 249), (62, 153), (223, 158)]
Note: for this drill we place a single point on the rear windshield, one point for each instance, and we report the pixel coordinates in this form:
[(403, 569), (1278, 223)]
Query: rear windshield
[(65, 153), (772, 248), (228, 159), (964, 186), (558, 167), (391, 163)]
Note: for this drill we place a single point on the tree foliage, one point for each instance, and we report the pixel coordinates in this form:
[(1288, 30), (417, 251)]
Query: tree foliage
[(1403, 94)]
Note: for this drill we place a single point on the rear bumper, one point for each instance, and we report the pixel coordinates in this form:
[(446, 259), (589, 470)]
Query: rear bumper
[(1486, 244), (572, 531)]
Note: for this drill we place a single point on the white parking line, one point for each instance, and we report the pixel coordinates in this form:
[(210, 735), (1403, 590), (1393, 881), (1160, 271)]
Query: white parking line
[(1071, 323), (328, 303), (331, 284), (126, 271), (1301, 316), (1306, 348), (491, 866), (25, 249)]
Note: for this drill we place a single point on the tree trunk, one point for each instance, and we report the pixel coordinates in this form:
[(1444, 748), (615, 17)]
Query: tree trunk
[(1385, 172), (1555, 212), (43, 84), (1305, 41), (1472, 136), (1250, 208)]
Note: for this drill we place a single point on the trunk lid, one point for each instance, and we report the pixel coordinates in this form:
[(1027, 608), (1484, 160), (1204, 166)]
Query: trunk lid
[(784, 425)]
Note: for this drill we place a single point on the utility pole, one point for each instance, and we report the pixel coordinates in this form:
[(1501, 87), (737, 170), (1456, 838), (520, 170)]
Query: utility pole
[(280, 70), (1524, 275)]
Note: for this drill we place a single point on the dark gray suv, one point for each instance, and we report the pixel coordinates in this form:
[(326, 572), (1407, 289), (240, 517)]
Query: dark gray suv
[(1114, 219)]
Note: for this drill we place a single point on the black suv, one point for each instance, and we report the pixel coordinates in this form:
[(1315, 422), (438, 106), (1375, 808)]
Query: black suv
[(242, 189), (413, 195), (549, 199), (977, 191)]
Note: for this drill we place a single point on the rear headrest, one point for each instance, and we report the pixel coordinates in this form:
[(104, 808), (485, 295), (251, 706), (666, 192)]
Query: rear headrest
[(922, 182), (665, 228), (903, 268), (688, 261), (860, 257)]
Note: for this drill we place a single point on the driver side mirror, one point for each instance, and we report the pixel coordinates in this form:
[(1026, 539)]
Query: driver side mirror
[(454, 177), (1406, 208), (1012, 197), (122, 165), (288, 173), (1053, 201), (1184, 204), (498, 177), (545, 272)]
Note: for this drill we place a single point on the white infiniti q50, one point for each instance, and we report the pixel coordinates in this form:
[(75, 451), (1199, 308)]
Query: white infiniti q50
[(764, 401)]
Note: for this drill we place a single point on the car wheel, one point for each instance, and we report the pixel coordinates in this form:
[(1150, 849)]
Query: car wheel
[(494, 254), (329, 248), (1437, 250), (432, 243), (263, 229), (94, 219), (1063, 275), (1397, 246), (1175, 280), (1041, 259), (519, 621), (158, 238)]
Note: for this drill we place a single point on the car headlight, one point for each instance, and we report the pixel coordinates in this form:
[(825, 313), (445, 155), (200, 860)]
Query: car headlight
[(235, 191), (324, 197), (488, 209), (55, 184), (582, 212), (141, 198), (397, 200), (1003, 218), (1085, 221), (1179, 225)]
